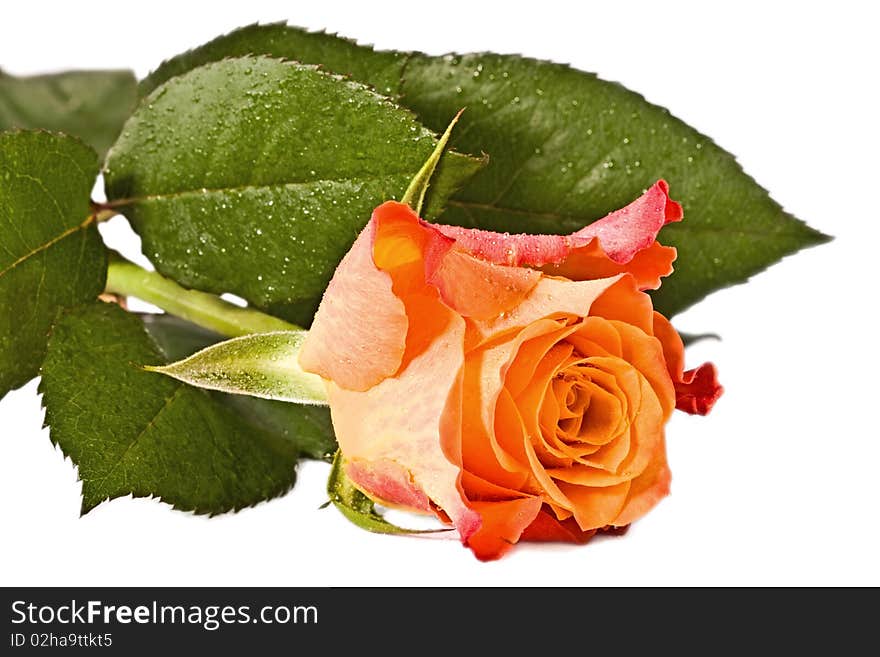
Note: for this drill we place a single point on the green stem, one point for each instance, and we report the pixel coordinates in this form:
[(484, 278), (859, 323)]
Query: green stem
[(104, 214), (207, 310)]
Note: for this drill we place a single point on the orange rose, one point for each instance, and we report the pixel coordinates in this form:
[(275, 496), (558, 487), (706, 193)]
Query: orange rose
[(515, 385)]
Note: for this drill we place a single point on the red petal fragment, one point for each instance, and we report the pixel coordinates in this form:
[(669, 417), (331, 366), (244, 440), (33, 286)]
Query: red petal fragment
[(546, 528), (698, 390)]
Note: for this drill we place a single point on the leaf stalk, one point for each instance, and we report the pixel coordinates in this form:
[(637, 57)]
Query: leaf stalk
[(201, 308)]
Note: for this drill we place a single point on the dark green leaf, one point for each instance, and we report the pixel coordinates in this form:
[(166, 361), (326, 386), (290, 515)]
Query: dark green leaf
[(308, 427), (382, 70), (50, 253), (566, 148), (133, 432), (91, 105), (254, 176), (359, 508)]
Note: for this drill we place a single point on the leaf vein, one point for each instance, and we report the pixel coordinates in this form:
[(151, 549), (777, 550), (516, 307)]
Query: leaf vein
[(47, 245), (121, 202), (169, 401)]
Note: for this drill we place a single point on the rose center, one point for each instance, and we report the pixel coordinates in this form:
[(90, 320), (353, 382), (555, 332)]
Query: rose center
[(591, 407)]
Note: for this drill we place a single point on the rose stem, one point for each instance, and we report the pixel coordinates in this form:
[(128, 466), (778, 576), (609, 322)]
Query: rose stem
[(206, 310)]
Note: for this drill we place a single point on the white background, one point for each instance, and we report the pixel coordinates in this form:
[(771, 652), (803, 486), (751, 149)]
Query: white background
[(777, 487)]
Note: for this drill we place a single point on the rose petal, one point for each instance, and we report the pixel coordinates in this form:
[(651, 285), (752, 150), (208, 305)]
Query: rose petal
[(488, 451), (388, 483), (646, 356), (551, 297), (625, 232), (696, 390), (594, 508), (373, 427), (647, 489), (479, 289), (470, 286), (503, 524), (546, 528), (358, 336), (628, 456), (604, 248)]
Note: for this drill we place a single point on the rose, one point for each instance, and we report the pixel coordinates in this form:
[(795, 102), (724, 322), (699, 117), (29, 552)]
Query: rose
[(515, 385)]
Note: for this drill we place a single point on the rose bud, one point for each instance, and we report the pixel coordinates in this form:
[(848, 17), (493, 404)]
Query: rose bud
[(515, 385)]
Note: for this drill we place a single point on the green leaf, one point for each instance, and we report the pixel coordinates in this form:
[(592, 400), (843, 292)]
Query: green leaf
[(51, 255), (359, 508), (308, 427), (132, 432), (254, 176), (383, 70), (91, 105), (566, 148), (263, 365)]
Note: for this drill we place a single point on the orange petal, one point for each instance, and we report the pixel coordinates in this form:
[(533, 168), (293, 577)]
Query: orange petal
[(551, 297), (646, 355), (470, 286), (590, 262), (486, 448), (503, 524), (647, 489), (697, 390), (479, 289), (532, 355), (630, 455), (624, 302), (593, 508)]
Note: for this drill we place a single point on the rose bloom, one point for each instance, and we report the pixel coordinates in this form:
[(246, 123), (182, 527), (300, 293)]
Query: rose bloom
[(515, 385)]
